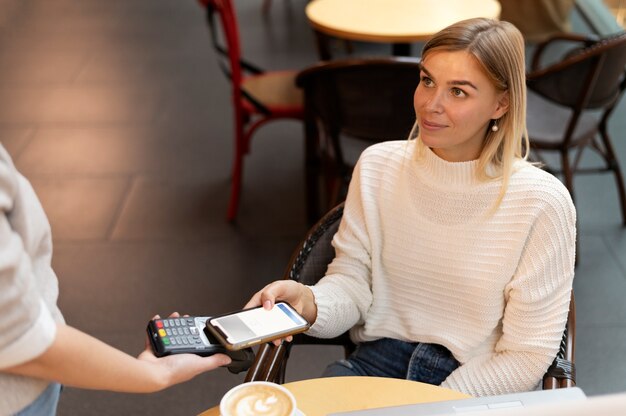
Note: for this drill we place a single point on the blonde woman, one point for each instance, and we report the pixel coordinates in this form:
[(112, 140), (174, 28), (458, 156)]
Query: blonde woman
[(455, 257)]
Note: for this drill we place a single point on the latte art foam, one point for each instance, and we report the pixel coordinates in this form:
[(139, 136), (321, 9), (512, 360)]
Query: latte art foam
[(259, 400)]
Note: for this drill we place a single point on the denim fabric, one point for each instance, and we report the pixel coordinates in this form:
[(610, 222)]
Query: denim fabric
[(386, 357), (45, 404)]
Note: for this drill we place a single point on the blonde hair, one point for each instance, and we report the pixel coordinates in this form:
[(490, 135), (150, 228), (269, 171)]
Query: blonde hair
[(498, 46)]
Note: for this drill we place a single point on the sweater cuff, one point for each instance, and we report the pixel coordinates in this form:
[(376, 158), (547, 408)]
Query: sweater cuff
[(322, 301), (33, 342)]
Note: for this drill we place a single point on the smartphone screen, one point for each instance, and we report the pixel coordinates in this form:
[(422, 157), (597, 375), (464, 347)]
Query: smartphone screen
[(253, 326)]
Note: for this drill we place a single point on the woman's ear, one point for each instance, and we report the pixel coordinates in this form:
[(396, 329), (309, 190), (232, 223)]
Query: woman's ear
[(502, 105)]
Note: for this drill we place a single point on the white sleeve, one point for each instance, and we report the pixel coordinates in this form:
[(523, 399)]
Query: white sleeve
[(537, 304), (27, 328), (344, 295)]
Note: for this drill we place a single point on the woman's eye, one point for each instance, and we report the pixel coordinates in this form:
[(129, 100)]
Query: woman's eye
[(426, 81), (458, 92)]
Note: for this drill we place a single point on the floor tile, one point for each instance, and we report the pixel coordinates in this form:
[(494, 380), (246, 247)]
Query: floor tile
[(127, 150), (24, 67), (599, 359), (15, 139), (309, 361), (132, 282), (111, 104), (155, 69), (599, 285), (615, 241), (81, 208), (170, 209), (597, 203)]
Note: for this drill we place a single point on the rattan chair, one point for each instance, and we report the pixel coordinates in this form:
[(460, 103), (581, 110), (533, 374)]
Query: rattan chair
[(308, 264), (358, 100), (570, 103)]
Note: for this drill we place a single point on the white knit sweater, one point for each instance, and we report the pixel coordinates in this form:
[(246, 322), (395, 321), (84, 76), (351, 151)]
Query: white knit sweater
[(419, 259)]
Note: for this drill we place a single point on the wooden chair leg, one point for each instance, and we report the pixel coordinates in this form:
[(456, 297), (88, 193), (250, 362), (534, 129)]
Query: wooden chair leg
[(276, 366), (267, 363), (323, 46), (267, 4), (312, 167), (256, 372), (237, 173), (550, 383)]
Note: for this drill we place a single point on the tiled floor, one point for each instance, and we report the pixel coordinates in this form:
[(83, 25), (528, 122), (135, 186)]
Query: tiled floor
[(118, 114)]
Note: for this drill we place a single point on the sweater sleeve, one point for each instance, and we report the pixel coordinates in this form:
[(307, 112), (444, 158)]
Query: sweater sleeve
[(537, 304), (344, 295), (27, 328)]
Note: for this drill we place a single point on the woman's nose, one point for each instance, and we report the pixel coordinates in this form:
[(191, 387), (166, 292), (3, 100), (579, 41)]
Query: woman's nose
[(434, 102)]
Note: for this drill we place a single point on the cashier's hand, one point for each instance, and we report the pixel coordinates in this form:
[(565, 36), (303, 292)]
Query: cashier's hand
[(177, 368), (296, 294)]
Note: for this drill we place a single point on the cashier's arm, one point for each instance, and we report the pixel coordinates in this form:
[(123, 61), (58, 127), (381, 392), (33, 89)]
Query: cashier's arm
[(80, 360)]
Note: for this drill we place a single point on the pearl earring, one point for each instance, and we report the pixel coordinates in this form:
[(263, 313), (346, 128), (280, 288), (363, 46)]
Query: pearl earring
[(494, 126)]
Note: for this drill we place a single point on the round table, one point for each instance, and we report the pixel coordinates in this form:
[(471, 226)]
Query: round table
[(398, 22), (321, 396)]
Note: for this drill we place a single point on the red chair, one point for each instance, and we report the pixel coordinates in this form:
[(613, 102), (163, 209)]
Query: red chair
[(258, 97)]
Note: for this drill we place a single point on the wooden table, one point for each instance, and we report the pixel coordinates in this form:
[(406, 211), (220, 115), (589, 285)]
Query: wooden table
[(399, 22), (321, 396)]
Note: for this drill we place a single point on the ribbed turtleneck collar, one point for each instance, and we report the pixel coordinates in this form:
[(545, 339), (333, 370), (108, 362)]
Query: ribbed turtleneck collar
[(448, 173)]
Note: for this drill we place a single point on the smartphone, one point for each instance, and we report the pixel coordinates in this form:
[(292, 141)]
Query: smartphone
[(253, 326), (188, 335)]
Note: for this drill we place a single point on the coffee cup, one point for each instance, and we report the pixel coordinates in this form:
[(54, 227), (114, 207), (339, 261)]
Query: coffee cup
[(258, 398)]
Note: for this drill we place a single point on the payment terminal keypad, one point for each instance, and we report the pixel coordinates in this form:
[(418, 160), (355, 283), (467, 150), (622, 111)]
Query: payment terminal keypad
[(182, 333), (188, 335)]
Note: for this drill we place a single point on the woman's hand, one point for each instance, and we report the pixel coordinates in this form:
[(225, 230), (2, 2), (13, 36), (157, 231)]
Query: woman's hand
[(176, 368), (79, 360), (296, 294)]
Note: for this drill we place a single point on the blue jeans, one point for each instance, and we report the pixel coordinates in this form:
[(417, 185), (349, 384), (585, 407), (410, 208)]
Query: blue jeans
[(386, 357), (45, 404)]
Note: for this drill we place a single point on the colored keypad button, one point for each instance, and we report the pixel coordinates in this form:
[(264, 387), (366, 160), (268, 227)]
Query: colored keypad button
[(162, 333)]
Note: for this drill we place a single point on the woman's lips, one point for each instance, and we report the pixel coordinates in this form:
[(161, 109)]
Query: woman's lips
[(430, 125)]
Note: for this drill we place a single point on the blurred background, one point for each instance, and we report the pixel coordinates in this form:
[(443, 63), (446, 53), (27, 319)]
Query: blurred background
[(119, 115)]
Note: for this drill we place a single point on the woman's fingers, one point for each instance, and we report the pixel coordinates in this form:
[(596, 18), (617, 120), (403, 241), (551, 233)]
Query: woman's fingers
[(268, 295)]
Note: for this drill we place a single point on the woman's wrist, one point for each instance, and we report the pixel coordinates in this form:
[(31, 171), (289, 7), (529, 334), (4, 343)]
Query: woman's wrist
[(309, 307), (157, 374)]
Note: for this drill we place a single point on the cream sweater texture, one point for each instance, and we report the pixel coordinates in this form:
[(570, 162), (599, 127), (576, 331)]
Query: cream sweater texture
[(28, 286), (419, 259)]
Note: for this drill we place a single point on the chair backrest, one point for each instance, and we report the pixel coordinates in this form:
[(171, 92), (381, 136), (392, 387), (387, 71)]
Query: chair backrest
[(562, 372), (311, 259), (227, 45), (309, 263), (369, 99), (225, 36), (589, 77)]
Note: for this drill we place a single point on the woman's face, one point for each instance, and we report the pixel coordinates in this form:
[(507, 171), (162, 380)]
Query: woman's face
[(454, 102)]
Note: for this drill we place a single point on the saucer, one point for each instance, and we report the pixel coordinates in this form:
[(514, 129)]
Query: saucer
[(298, 413)]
